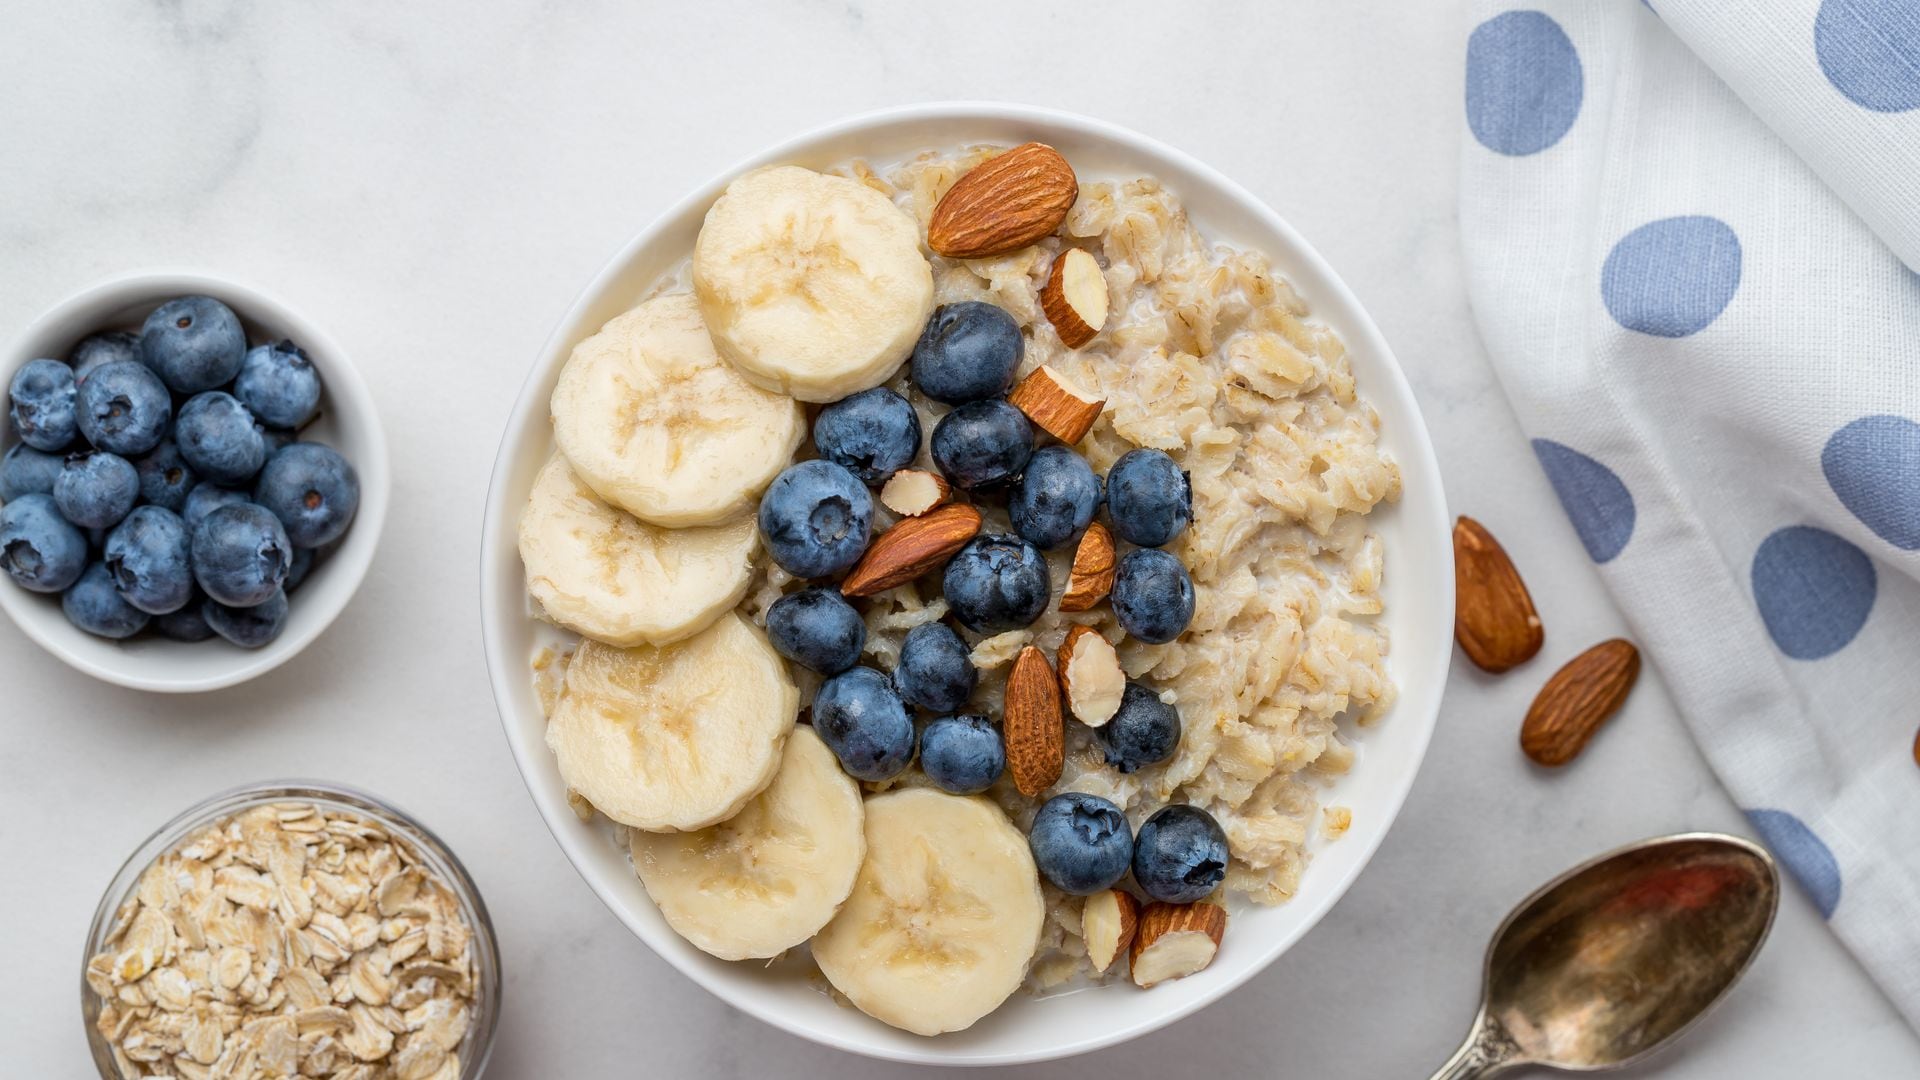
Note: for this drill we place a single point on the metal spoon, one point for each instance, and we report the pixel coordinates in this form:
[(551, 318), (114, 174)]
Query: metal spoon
[(1612, 960)]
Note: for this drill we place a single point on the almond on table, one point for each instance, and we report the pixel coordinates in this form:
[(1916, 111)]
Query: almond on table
[(1493, 619), (1578, 699)]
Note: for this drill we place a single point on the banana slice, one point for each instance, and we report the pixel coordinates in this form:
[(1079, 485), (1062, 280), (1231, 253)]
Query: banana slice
[(674, 737), (598, 571), (812, 285), (767, 878), (656, 423), (944, 919)]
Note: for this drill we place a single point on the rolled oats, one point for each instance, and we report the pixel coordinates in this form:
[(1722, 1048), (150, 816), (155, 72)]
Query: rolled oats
[(288, 940)]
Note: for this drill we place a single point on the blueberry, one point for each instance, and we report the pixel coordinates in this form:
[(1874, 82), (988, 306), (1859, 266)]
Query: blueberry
[(1180, 855), (123, 408), (278, 439), (240, 554), (997, 583), (42, 404), (1145, 731), (968, 352), (165, 477), (248, 627), (39, 549), (1149, 498), (205, 498), (106, 347), (874, 433), (26, 471), (1080, 842), (302, 565), (936, 669), (1055, 498), (278, 384), (982, 444), (194, 343), (147, 556), (187, 624), (219, 438), (94, 491), (962, 754), (816, 519), (1152, 595), (313, 491), (94, 605), (861, 719), (817, 629)]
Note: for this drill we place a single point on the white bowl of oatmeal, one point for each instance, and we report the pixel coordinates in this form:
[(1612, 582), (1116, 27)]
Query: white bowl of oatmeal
[(1311, 677)]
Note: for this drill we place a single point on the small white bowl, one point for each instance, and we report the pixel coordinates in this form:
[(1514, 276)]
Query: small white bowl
[(348, 422), (1418, 594)]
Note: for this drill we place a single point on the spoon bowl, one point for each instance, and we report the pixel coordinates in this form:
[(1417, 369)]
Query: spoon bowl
[(1612, 960)]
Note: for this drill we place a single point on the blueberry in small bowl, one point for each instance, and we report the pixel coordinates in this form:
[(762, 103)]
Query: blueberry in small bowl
[(1081, 843), (1180, 855), (165, 477), (968, 351), (189, 624), (26, 471), (864, 723), (240, 554), (278, 385), (962, 754), (815, 518), (205, 498), (106, 347), (39, 549), (817, 629), (248, 627), (1055, 498), (312, 490), (874, 434), (982, 444), (1144, 731), (1152, 595), (194, 343), (147, 555), (40, 399), (123, 408), (94, 491), (935, 670), (219, 438), (1149, 497), (93, 604), (997, 583)]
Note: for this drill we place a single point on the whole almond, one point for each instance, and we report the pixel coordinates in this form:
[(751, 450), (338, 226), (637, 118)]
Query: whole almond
[(1004, 204), (1032, 723), (1577, 700), (911, 548), (1493, 615), (1091, 578)]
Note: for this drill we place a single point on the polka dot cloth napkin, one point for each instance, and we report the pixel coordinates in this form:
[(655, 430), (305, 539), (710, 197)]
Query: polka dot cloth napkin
[(1683, 233)]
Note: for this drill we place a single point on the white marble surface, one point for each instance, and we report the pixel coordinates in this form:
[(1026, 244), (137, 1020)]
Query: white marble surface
[(434, 182)]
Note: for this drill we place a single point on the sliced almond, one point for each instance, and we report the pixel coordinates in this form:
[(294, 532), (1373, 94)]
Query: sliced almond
[(1176, 940), (1004, 204), (911, 548), (1577, 700), (1056, 405), (912, 492), (1107, 923), (1493, 615), (1090, 676), (1075, 297), (1091, 578), (1034, 730)]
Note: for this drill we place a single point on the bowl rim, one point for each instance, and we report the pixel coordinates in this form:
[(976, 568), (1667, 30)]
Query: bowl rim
[(1423, 471), (488, 1006), (343, 383)]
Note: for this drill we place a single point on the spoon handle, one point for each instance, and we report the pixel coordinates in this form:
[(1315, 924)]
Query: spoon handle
[(1488, 1051)]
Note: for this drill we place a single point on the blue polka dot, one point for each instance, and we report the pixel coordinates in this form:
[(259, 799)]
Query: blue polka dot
[(1807, 857), (1870, 51), (1814, 590), (1598, 503), (1672, 277), (1873, 467), (1523, 83)]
